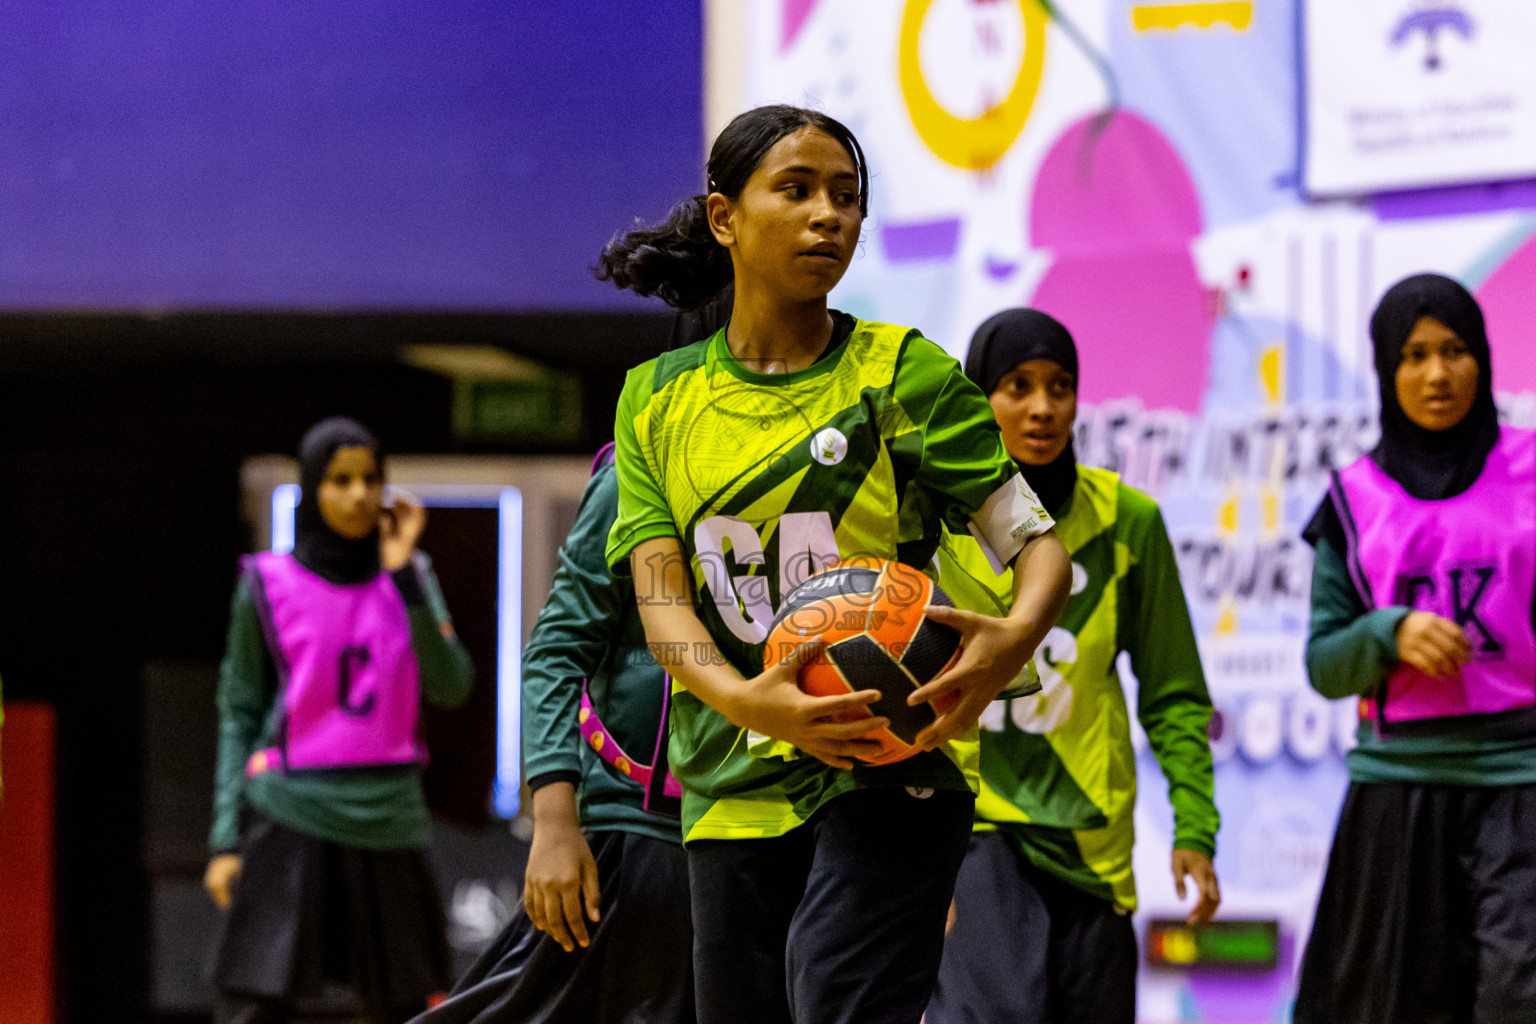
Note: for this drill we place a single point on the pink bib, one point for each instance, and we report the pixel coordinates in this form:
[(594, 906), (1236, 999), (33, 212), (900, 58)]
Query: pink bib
[(1470, 558), (350, 687)]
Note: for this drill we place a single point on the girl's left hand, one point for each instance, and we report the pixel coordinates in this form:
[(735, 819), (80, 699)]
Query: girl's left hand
[(991, 654), (400, 526), (1197, 867)]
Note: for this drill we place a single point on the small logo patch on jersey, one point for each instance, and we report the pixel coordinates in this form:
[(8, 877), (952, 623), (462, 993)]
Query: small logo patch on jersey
[(829, 446), (919, 792)]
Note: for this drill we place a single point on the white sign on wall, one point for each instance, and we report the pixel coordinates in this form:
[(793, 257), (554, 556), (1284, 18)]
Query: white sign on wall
[(1402, 94)]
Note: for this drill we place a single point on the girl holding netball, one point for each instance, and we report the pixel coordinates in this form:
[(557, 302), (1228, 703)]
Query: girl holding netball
[(1422, 607), (794, 438)]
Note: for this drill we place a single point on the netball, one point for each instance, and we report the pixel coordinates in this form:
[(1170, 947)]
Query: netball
[(878, 637)]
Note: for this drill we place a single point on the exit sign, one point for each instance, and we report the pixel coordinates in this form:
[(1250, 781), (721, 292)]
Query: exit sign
[(498, 396), (545, 408)]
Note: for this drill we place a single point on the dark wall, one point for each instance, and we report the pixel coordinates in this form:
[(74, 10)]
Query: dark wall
[(120, 446)]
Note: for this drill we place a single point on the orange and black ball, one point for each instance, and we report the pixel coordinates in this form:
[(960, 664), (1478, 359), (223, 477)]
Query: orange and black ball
[(873, 620)]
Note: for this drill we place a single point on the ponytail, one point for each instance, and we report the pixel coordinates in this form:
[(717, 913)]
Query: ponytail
[(679, 260)]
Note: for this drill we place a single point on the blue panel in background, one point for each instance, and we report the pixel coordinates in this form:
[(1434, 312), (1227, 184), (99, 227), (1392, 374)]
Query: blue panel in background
[(271, 154)]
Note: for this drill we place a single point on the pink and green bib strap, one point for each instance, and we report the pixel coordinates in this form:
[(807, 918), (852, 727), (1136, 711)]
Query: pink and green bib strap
[(644, 775)]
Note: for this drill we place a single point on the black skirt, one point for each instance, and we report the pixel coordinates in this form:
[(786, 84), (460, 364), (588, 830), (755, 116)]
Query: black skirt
[(1027, 948), (1428, 909), (638, 967), (307, 911)]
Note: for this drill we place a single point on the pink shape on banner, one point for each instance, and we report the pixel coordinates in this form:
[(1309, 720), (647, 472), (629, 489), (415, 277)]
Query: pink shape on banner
[(794, 14), (1508, 298), (1120, 187), (1117, 208)]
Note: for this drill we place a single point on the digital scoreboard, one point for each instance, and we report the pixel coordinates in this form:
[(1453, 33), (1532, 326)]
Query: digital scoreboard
[(1238, 946)]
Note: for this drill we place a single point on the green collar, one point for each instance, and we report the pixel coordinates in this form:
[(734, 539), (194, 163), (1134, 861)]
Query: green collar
[(720, 352)]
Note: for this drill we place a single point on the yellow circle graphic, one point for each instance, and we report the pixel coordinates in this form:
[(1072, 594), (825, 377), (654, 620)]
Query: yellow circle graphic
[(978, 143)]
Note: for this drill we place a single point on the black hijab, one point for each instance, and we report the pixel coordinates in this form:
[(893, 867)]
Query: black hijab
[(317, 547), (1430, 464), (1016, 336)]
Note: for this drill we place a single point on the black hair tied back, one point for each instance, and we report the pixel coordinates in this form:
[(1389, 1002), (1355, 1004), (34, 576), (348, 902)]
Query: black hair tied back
[(679, 259)]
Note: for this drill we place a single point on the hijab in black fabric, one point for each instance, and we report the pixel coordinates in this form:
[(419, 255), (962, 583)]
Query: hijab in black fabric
[(317, 547), (1016, 336), (1430, 464)]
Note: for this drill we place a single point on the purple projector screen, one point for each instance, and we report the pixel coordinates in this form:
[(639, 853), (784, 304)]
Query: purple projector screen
[(384, 155)]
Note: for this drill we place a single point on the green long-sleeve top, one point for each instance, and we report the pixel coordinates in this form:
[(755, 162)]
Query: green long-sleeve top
[(590, 630), (1058, 769), (376, 808), (1351, 650)]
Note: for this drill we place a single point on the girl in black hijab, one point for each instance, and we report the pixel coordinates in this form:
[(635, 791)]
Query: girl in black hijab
[(319, 822), (1001, 344), (1423, 593), (1042, 927)]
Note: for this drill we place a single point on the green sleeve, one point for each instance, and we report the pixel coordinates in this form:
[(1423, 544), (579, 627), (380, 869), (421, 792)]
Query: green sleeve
[(962, 465), (1349, 650), (962, 459), (643, 511), (447, 673), (247, 688), (1172, 702), (572, 635)]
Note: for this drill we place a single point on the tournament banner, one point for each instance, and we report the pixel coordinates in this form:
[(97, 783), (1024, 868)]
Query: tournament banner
[(1412, 93), (1132, 169)]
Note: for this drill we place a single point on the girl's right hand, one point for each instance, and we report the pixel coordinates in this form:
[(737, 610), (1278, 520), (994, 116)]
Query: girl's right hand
[(773, 704), (560, 890), (1435, 646), (223, 871)]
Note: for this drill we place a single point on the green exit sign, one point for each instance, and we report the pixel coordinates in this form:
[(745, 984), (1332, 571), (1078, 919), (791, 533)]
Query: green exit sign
[(544, 408)]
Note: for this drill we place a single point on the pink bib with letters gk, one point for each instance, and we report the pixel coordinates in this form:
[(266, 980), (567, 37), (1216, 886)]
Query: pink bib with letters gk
[(1469, 558), (350, 686)]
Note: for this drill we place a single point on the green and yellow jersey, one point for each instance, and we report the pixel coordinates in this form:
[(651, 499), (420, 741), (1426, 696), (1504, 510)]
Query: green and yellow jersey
[(764, 479), (1058, 771)]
